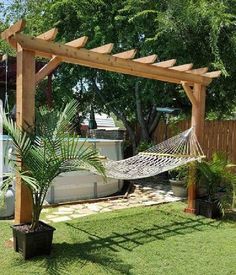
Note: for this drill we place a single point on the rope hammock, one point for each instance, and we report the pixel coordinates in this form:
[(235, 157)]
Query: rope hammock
[(172, 153)]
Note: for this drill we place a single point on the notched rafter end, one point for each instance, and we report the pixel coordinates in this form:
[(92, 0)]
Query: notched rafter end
[(198, 71), (17, 27), (146, 59), (165, 64), (182, 68), (78, 43), (213, 74), (49, 35), (130, 54), (104, 49)]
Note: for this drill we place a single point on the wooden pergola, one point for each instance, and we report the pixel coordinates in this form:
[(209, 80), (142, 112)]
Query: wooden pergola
[(194, 82)]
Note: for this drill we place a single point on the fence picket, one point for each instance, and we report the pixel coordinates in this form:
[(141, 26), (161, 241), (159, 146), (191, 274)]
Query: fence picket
[(219, 136)]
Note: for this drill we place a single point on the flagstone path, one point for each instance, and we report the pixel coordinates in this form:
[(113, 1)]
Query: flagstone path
[(146, 194)]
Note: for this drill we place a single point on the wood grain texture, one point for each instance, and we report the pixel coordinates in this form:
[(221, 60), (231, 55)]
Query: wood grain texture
[(25, 118)]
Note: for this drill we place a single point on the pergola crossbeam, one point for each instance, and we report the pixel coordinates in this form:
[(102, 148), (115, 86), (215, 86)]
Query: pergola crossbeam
[(107, 62)]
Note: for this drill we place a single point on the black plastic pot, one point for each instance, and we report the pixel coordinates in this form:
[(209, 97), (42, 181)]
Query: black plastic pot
[(209, 209), (35, 243)]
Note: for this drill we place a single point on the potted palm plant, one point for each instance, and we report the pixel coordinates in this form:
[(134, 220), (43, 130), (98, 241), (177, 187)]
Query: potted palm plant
[(178, 179), (219, 182), (44, 153)]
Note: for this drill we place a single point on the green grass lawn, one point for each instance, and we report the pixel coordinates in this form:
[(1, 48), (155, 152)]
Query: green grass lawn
[(144, 240)]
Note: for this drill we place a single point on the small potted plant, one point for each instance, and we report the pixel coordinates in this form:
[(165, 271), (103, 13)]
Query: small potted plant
[(45, 153), (219, 183), (178, 179)]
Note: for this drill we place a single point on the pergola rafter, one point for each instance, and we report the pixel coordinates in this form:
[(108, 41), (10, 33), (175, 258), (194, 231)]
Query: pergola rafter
[(74, 52), (49, 35), (108, 62), (146, 59), (183, 68), (198, 71), (130, 54), (194, 82), (166, 64)]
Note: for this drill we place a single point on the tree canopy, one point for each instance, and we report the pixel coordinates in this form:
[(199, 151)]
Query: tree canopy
[(202, 32)]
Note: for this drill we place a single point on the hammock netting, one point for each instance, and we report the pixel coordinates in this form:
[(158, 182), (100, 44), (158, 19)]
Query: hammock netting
[(172, 153)]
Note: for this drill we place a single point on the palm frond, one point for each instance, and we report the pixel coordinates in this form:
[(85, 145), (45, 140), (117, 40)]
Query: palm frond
[(77, 156), (42, 155)]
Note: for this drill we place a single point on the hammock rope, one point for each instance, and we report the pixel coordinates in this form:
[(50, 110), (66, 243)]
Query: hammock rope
[(169, 154)]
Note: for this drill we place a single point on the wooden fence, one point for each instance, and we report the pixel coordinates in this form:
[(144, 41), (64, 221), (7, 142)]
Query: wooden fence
[(219, 136)]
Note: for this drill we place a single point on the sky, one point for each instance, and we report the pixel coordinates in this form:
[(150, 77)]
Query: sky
[(5, 3)]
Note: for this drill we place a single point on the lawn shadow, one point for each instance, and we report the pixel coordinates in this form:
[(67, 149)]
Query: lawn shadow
[(230, 217), (103, 251), (139, 236), (77, 256)]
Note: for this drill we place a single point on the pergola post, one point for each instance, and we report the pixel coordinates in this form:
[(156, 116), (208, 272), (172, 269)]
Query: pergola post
[(197, 122), (25, 116)]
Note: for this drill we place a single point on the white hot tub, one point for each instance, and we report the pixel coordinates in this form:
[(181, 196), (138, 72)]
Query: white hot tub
[(7, 207), (78, 185)]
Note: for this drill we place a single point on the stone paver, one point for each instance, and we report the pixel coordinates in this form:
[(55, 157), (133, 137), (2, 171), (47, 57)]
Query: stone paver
[(45, 210), (51, 216), (94, 207), (77, 206), (63, 213), (78, 215), (64, 209), (60, 219), (105, 210), (146, 193)]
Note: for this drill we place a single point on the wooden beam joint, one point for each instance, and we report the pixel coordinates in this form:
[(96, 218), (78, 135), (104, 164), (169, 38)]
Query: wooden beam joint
[(189, 92), (16, 28)]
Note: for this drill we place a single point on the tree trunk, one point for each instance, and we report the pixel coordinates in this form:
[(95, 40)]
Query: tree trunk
[(154, 124), (144, 130), (121, 116), (35, 217)]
